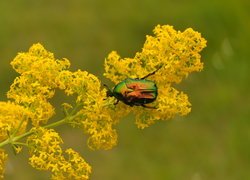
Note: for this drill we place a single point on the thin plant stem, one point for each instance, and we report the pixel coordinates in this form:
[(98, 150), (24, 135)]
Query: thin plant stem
[(13, 140)]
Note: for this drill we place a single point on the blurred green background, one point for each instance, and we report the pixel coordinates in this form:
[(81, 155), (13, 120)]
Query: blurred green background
[(212, 142)]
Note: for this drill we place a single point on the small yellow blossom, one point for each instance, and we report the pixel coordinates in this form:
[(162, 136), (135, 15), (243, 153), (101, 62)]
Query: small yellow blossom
[(3, 159), (175, 54), (17, 148), (47, 154)]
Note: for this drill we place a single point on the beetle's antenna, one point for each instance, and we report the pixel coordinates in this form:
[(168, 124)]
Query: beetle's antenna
[(109, 92)]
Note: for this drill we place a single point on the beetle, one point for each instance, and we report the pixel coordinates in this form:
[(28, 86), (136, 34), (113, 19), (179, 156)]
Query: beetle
[(135, 91)]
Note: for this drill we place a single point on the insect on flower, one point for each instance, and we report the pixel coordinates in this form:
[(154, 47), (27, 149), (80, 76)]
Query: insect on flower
[(135, 92)]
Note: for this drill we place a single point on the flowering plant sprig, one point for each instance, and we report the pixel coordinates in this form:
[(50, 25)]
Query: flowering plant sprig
[(172, 53)]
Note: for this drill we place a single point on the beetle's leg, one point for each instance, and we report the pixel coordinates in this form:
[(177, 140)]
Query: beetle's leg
[(150, 107), (152, 73)]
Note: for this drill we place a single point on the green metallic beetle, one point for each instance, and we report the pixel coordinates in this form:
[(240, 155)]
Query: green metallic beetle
[(135, 92)]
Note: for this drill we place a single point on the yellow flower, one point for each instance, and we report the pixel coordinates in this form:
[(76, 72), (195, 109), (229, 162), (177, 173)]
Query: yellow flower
[(47, 154), (3, 159), (175, 54), (17, 148)]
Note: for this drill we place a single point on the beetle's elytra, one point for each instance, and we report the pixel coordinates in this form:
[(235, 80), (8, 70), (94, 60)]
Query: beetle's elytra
[(135, 92)]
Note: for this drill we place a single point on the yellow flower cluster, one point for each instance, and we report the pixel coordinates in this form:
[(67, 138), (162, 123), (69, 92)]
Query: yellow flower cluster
[(171, 54), (3, 158), (41, 74), (46, 154), (38, 70), (96, 115), (11, 115), (175, 54)]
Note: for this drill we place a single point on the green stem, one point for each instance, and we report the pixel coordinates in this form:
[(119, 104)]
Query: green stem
[(20, 143), (19, 126), (11, 140)]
